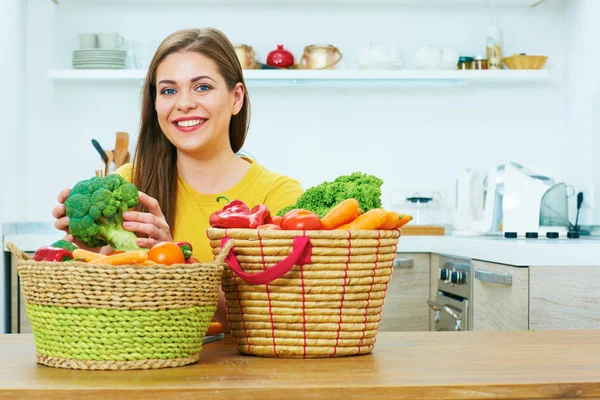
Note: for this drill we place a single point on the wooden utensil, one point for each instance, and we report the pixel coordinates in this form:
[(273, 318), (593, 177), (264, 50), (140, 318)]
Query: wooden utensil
[(110, 155), (121, 146)]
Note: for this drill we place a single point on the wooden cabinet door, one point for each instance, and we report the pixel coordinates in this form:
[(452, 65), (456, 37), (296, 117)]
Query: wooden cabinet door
[(434, 266), (564, 297), (405, 307), (500, 297)]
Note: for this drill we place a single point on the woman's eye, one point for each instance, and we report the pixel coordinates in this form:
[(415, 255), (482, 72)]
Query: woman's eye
[(168, 91), (203, 88)]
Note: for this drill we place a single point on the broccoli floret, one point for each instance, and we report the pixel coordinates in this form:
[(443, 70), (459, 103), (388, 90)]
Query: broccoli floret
[(64, 244), (95, 209), (366, 189)]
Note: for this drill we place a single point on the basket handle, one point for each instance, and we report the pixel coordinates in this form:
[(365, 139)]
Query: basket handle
[(301, 251), (21, 256)]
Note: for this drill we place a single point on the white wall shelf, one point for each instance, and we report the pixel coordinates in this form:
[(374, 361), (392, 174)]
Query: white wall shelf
[(445, 3), (328, 78)]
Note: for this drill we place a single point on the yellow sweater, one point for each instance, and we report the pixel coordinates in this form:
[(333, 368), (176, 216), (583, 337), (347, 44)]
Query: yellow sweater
[(193, 209)]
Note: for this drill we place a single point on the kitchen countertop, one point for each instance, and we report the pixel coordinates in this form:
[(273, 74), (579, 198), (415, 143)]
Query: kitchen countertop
[(520, 252), (448, 365)]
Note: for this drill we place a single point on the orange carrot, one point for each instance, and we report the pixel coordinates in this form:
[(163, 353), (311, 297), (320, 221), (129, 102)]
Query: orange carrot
[(372, 219), (391, 220), (344, 227), (87, 255), (343, 213), (129, 257), (148, 263), (404, 219)]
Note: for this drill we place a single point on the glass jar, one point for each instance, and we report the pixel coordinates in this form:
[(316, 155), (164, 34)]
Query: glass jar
[(480, 62), (465, 63)]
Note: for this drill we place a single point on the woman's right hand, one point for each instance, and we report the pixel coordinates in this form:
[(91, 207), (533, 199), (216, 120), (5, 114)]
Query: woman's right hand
[(62, 221)]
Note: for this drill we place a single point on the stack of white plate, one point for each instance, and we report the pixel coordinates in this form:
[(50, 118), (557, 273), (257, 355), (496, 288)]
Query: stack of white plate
[(99, 59)]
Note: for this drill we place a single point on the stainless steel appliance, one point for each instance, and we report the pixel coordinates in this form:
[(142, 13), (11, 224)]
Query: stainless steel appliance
[(452, 308)]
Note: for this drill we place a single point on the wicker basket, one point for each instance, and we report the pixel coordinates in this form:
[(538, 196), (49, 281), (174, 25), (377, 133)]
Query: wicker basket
[(301, 294), (100, 317)]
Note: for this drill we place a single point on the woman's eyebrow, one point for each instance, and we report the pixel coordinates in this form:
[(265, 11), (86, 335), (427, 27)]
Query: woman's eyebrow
[(197, 78)]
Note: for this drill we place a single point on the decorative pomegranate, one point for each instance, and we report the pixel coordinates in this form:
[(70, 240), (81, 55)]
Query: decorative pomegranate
[(280, 58)]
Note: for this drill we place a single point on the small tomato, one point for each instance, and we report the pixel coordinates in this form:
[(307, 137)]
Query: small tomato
[(302, 220), (269, 226), (273, 219), (166, 253)]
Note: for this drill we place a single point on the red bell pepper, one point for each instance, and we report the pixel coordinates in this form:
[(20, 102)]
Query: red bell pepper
[(186, 248), (50, 253), (236, 214)]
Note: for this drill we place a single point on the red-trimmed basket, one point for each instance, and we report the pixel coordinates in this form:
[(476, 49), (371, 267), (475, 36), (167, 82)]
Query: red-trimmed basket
[(300, 294)]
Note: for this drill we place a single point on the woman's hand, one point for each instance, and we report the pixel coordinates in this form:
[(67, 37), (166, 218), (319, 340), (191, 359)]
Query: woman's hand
[(151, 225), (62, 221)]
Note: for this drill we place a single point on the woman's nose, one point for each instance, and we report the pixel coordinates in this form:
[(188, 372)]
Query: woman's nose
[(185, 103)]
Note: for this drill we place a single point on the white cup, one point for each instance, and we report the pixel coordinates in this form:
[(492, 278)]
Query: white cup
[(88, 40), (111, 40)]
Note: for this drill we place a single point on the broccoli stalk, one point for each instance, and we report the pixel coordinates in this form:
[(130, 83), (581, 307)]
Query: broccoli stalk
[(95, 209)]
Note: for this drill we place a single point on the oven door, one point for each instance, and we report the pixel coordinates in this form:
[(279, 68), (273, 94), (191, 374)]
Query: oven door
[(450, 313)]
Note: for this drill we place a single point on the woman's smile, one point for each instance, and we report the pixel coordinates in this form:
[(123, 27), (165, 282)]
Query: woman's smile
[(189, 124)]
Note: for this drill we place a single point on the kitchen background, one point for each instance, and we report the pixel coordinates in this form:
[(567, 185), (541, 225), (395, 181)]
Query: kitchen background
[(416, 135)]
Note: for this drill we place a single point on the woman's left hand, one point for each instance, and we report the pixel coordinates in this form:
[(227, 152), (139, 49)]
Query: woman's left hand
[(152, 224)]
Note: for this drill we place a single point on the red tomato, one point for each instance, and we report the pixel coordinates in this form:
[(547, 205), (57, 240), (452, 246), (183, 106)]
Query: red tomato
[(303, 220), (269, 226), (276, 220), (166, 253)]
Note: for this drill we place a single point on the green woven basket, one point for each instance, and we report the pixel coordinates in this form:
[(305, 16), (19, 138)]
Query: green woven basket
[(118, 317)]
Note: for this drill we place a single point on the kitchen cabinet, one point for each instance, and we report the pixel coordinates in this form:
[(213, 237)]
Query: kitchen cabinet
[(433, 285), (405, 307), (564, 298), (500, 297)]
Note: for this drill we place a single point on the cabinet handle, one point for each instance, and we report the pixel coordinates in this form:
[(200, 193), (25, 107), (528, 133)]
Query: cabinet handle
[(493, 277), (403, 263)]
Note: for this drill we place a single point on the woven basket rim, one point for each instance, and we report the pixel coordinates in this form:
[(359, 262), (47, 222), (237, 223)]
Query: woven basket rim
[(24, 259)]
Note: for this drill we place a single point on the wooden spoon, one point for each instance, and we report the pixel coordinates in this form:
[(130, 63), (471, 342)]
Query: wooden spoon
[(110, 155), (121, 147)]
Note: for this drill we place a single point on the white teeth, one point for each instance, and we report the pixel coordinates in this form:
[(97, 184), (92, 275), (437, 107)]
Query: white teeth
[(191, 122)]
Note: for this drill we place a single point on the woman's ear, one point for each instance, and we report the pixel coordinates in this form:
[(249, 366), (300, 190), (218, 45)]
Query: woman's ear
[(238, 98)]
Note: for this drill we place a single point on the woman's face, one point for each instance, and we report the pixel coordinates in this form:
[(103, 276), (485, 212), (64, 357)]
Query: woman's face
[(193, 104)]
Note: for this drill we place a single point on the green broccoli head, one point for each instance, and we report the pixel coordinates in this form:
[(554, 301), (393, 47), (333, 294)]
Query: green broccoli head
[(95, 209), (366, 189), (64, 244)]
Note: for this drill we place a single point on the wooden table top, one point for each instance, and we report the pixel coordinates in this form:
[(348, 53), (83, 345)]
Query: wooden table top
[(443, 365)]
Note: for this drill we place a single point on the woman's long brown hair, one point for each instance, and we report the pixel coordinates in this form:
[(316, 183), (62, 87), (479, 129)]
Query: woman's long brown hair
[(155, 159)]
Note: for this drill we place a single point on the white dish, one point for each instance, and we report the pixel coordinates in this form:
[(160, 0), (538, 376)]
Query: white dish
[(99, 66)]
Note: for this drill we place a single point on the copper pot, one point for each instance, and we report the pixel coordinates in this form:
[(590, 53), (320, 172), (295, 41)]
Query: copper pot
[(246, 56), (320, 57)]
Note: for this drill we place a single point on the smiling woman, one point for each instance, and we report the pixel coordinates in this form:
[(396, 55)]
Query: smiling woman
[(195, 117)]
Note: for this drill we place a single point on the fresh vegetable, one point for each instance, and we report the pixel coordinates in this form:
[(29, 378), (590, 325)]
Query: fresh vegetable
[(186, 247), (166, 253), (372, 219), (49, 253), (87, 255), (128, 257), (64, 244), (269, 226), (236, 214), (95, 209), (320, 199), (303, 220), (404, 219), (274, 219), (391, 221), (192, 260), (343, 213)]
